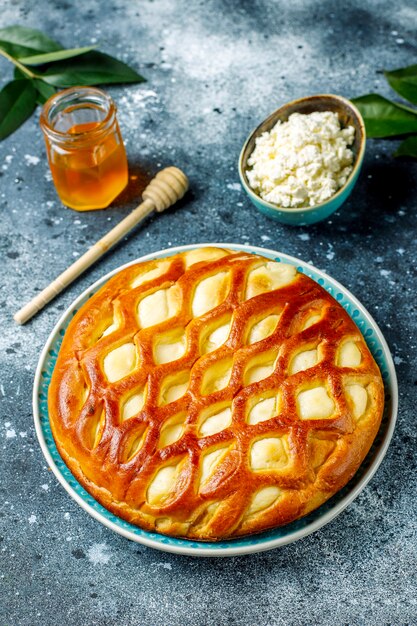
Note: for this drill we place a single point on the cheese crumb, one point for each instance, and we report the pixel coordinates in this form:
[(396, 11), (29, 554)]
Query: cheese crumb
[(302, 162)]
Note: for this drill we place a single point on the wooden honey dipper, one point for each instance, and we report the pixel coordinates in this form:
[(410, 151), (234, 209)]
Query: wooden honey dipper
[(168, 186)]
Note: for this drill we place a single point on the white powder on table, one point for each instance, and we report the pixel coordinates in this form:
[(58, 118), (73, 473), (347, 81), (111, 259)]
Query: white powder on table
[(302, 162)]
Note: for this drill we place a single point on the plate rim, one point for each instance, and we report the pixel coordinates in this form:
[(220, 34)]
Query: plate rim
[(237, 550)]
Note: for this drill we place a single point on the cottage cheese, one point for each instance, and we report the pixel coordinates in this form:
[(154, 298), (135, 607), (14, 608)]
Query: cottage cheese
[(301, 162)]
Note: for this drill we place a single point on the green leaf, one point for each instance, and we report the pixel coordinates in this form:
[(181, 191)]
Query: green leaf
[(407, 148), (21, 41), (404, 82), (59, 55), (18, 74), (17, 103), (44, 90), (93, 68), (384, 118)]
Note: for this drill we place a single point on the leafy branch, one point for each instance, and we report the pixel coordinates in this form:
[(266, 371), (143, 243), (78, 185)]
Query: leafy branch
[(42, 65), (384, 118)]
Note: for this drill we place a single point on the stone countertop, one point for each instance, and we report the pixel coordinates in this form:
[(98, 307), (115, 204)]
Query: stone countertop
[(215, 69)]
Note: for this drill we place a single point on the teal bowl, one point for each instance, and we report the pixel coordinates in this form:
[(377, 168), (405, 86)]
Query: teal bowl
[(348, 115)]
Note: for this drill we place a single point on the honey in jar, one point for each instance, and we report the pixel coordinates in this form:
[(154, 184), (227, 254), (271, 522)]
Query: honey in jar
[(85, 148)]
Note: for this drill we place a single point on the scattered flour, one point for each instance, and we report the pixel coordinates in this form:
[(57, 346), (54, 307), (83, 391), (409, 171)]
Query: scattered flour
[(330, 254), (134, 100), (163, 565), (31, 160), (97, 554)]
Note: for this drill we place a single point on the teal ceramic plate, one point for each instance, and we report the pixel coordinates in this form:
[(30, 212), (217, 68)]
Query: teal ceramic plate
[(245, 545)]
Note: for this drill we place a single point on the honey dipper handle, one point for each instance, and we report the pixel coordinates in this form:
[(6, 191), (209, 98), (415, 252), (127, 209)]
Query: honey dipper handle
[(163, 191)]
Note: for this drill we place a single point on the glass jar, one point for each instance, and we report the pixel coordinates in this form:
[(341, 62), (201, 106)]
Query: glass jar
[(85, 148)]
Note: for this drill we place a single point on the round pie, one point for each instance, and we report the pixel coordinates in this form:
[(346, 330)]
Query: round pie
[(213, 394)]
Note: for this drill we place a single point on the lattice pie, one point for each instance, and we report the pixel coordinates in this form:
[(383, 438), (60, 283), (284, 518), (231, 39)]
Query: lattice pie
[(213, 394)]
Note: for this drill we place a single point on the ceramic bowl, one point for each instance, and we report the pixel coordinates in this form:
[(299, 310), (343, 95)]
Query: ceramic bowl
[(348, 115)]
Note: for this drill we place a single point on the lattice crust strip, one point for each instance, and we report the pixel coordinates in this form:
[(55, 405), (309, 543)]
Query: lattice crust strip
[(213, 394)]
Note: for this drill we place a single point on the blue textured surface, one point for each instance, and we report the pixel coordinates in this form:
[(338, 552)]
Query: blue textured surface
[(215, 70)]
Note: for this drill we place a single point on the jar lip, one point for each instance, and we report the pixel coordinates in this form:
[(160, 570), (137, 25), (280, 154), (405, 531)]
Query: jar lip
[(68, 95)]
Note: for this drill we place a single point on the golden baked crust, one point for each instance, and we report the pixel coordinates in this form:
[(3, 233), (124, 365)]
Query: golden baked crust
[(213, 394)]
